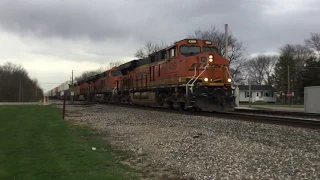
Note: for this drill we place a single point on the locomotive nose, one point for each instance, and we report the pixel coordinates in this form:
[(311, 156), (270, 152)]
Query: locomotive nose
[(210, 58), (206, 57)]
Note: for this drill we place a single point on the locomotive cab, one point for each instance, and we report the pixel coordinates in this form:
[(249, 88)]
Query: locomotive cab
[(208, 81)]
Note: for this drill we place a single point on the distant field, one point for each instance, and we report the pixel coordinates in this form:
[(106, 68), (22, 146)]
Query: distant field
[(37, 144)]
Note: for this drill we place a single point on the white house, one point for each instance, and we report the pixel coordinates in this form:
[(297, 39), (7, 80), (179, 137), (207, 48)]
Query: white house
[(265, 93)]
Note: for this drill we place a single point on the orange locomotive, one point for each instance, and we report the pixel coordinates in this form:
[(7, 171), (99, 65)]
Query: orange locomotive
[(101, 87), (187, 75)]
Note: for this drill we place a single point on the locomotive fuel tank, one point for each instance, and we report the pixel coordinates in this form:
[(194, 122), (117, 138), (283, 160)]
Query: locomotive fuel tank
[(144, 98)]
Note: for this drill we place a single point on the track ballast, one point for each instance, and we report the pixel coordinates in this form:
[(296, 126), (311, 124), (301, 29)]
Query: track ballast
[(295, 119)]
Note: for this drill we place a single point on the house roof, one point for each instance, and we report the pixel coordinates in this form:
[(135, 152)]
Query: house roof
[(257, 87)]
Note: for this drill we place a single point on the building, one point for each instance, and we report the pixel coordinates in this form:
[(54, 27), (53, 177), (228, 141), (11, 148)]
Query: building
[(312, 99), (264, 93)]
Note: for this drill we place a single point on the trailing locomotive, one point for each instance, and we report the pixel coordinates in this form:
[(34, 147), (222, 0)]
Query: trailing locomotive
[(187, 75)]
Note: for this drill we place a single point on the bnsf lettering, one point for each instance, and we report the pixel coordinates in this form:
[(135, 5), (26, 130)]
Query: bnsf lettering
[(142, 73), (172, 65), (202, 65)]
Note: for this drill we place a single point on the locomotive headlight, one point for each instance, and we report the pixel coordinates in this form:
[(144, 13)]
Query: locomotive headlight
[(229, 79), (210, 58), (206, 79)]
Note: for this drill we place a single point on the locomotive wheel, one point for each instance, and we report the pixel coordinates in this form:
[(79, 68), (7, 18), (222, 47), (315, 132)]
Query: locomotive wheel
[(193, 109)]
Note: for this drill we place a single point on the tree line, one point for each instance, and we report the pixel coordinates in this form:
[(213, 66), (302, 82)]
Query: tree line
[(17, 86), (295, 67)]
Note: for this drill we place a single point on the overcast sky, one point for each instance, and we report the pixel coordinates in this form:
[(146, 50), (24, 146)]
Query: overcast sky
[(52, 37)]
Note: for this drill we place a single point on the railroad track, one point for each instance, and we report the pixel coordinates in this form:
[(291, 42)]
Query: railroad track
[(311, 123), (295, 119), (280, 112)]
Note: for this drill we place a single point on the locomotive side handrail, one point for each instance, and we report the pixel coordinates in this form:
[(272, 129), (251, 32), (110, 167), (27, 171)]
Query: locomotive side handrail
[(205, 68), (195, 73), (187, 85)]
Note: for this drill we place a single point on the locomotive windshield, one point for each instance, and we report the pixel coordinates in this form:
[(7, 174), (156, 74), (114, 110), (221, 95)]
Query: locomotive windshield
[(210, 49), (115, 73), (189, 50)]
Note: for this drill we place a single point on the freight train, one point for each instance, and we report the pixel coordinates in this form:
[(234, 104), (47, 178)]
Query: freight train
[(59, 91), (190, 74)]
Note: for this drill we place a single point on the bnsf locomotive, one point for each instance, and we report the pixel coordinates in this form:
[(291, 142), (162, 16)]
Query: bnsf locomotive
[(187, 75)]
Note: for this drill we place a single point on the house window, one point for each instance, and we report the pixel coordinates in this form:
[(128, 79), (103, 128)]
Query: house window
[(247, 94), (266, 94)]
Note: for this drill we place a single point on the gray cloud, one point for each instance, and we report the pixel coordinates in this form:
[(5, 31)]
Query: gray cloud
[(65, 19), (261, 25), (60, 35)]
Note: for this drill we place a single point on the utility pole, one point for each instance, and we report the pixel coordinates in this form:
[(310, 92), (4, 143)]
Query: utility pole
[(36, 92), (64, 106), (20, 92), (226, 41), (249, 92), (72, 78), (288, 82), (71, 97)]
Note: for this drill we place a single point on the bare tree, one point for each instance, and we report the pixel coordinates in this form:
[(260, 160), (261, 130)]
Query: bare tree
[(255, 69), (111, 65), (260, 69), (140, 54), (148, 49), (302, 53), (209, 34), (88, 74), (314, 42), (237, 73), (270, 62)]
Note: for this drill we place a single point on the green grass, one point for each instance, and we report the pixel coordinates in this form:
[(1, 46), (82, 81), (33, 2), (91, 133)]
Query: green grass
[(36, 144)]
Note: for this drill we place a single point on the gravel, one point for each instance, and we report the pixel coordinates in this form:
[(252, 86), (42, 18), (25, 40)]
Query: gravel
[(171, 146)]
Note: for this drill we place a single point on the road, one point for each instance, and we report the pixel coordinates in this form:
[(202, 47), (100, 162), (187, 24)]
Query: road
[(23, 103)]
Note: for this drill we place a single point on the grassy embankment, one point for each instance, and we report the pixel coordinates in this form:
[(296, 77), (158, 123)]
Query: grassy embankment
[(36, 144)]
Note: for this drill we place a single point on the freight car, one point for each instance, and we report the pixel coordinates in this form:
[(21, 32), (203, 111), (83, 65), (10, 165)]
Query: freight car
[(187, 75), (59, 91)]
